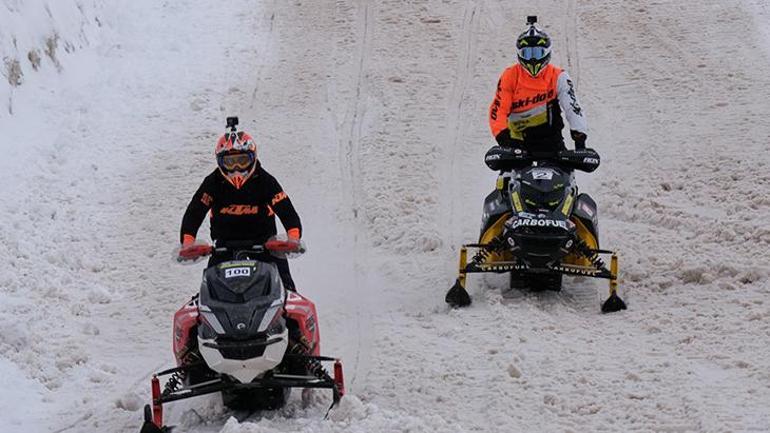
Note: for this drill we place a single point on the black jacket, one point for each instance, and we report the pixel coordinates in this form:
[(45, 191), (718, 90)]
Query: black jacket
[(240, 214)]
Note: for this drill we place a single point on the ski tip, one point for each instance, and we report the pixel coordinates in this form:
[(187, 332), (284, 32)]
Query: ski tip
[(149, 425), (613, 304), (457, 296)]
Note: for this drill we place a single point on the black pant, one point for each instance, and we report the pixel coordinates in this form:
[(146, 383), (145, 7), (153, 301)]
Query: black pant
[(283, 267), (541, 146)]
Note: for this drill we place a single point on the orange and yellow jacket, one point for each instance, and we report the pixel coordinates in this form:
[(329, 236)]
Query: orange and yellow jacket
[(527, 110)]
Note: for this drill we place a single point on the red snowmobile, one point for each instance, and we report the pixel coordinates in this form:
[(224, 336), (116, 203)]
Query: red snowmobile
[(244, 336)]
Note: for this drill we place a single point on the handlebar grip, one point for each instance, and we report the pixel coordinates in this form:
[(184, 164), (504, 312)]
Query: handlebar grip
[(194, 252)]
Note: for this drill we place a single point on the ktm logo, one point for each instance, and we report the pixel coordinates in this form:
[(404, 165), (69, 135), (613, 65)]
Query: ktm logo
[(239, 209), (206, 199), (279, 197), (532, 100)]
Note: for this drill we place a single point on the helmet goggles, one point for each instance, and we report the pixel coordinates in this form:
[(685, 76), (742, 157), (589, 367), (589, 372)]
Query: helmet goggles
[(236, 161), (533, 53)]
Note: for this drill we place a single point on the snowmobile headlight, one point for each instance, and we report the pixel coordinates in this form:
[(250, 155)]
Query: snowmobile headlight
[(211, 319), (272, 315), (276, 326)]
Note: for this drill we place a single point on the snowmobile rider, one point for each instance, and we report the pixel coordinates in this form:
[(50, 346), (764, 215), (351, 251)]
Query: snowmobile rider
[(526, 116), (530, 97), (243, 199)]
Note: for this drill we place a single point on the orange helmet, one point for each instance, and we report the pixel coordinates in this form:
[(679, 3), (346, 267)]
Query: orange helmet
[(236, 157)]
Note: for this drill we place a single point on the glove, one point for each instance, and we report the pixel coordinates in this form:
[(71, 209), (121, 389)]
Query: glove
[(191, 251), (579, 138), (293, 234), (504, 138), (286, 248), (188, 240), (294, 244)]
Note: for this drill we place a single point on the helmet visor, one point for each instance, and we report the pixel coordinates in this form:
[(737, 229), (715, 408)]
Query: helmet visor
[(532, 53), (240, 161)]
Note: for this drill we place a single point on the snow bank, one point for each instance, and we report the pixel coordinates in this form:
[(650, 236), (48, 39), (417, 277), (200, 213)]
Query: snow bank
[(35, 36), (46, 284)]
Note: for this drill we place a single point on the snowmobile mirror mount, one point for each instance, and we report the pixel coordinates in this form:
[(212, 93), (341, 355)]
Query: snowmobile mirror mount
[(232, 122)]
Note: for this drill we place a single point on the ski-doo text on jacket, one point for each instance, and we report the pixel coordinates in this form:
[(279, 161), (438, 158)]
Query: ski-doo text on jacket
[(247, 213), (526, 111)]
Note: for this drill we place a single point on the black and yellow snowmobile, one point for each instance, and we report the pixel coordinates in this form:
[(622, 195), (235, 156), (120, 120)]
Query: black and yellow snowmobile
[(537, 226)]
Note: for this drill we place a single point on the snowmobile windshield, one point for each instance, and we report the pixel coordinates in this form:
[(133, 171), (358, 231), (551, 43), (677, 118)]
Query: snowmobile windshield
[(543, 188), (532, 53), (242, 281), (537, 199)]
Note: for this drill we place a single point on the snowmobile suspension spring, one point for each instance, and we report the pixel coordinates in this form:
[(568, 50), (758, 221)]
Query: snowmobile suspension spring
[(587, 252), (495, 245), (481, 256), (177, 378), (313, 366)]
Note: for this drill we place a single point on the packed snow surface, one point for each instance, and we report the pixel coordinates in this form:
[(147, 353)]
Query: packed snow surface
[(372, 114)]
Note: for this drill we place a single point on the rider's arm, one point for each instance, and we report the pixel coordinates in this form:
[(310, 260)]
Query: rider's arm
[(196, 210), (571, 107), (500, 108), (281, 205)]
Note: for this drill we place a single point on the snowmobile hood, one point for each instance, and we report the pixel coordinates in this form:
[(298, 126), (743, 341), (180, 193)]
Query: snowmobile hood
[(237, 296)]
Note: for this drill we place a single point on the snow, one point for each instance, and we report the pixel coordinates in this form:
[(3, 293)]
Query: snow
[(372, 116), (26, 405), (37, 35)]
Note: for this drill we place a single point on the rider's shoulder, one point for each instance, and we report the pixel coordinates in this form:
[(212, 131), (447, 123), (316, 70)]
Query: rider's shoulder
[(263, 177), (512, 71), (510, 75), (213, 177), (260, 172)]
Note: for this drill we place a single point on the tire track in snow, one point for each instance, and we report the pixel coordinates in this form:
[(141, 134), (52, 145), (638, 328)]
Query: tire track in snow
[(467, 48), (263, 48), (353, 145), (571, 34), (494, 15), (352, 163)]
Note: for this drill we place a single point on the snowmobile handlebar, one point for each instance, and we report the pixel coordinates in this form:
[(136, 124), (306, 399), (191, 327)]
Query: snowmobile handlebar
[(278, 247), (507, 158)]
